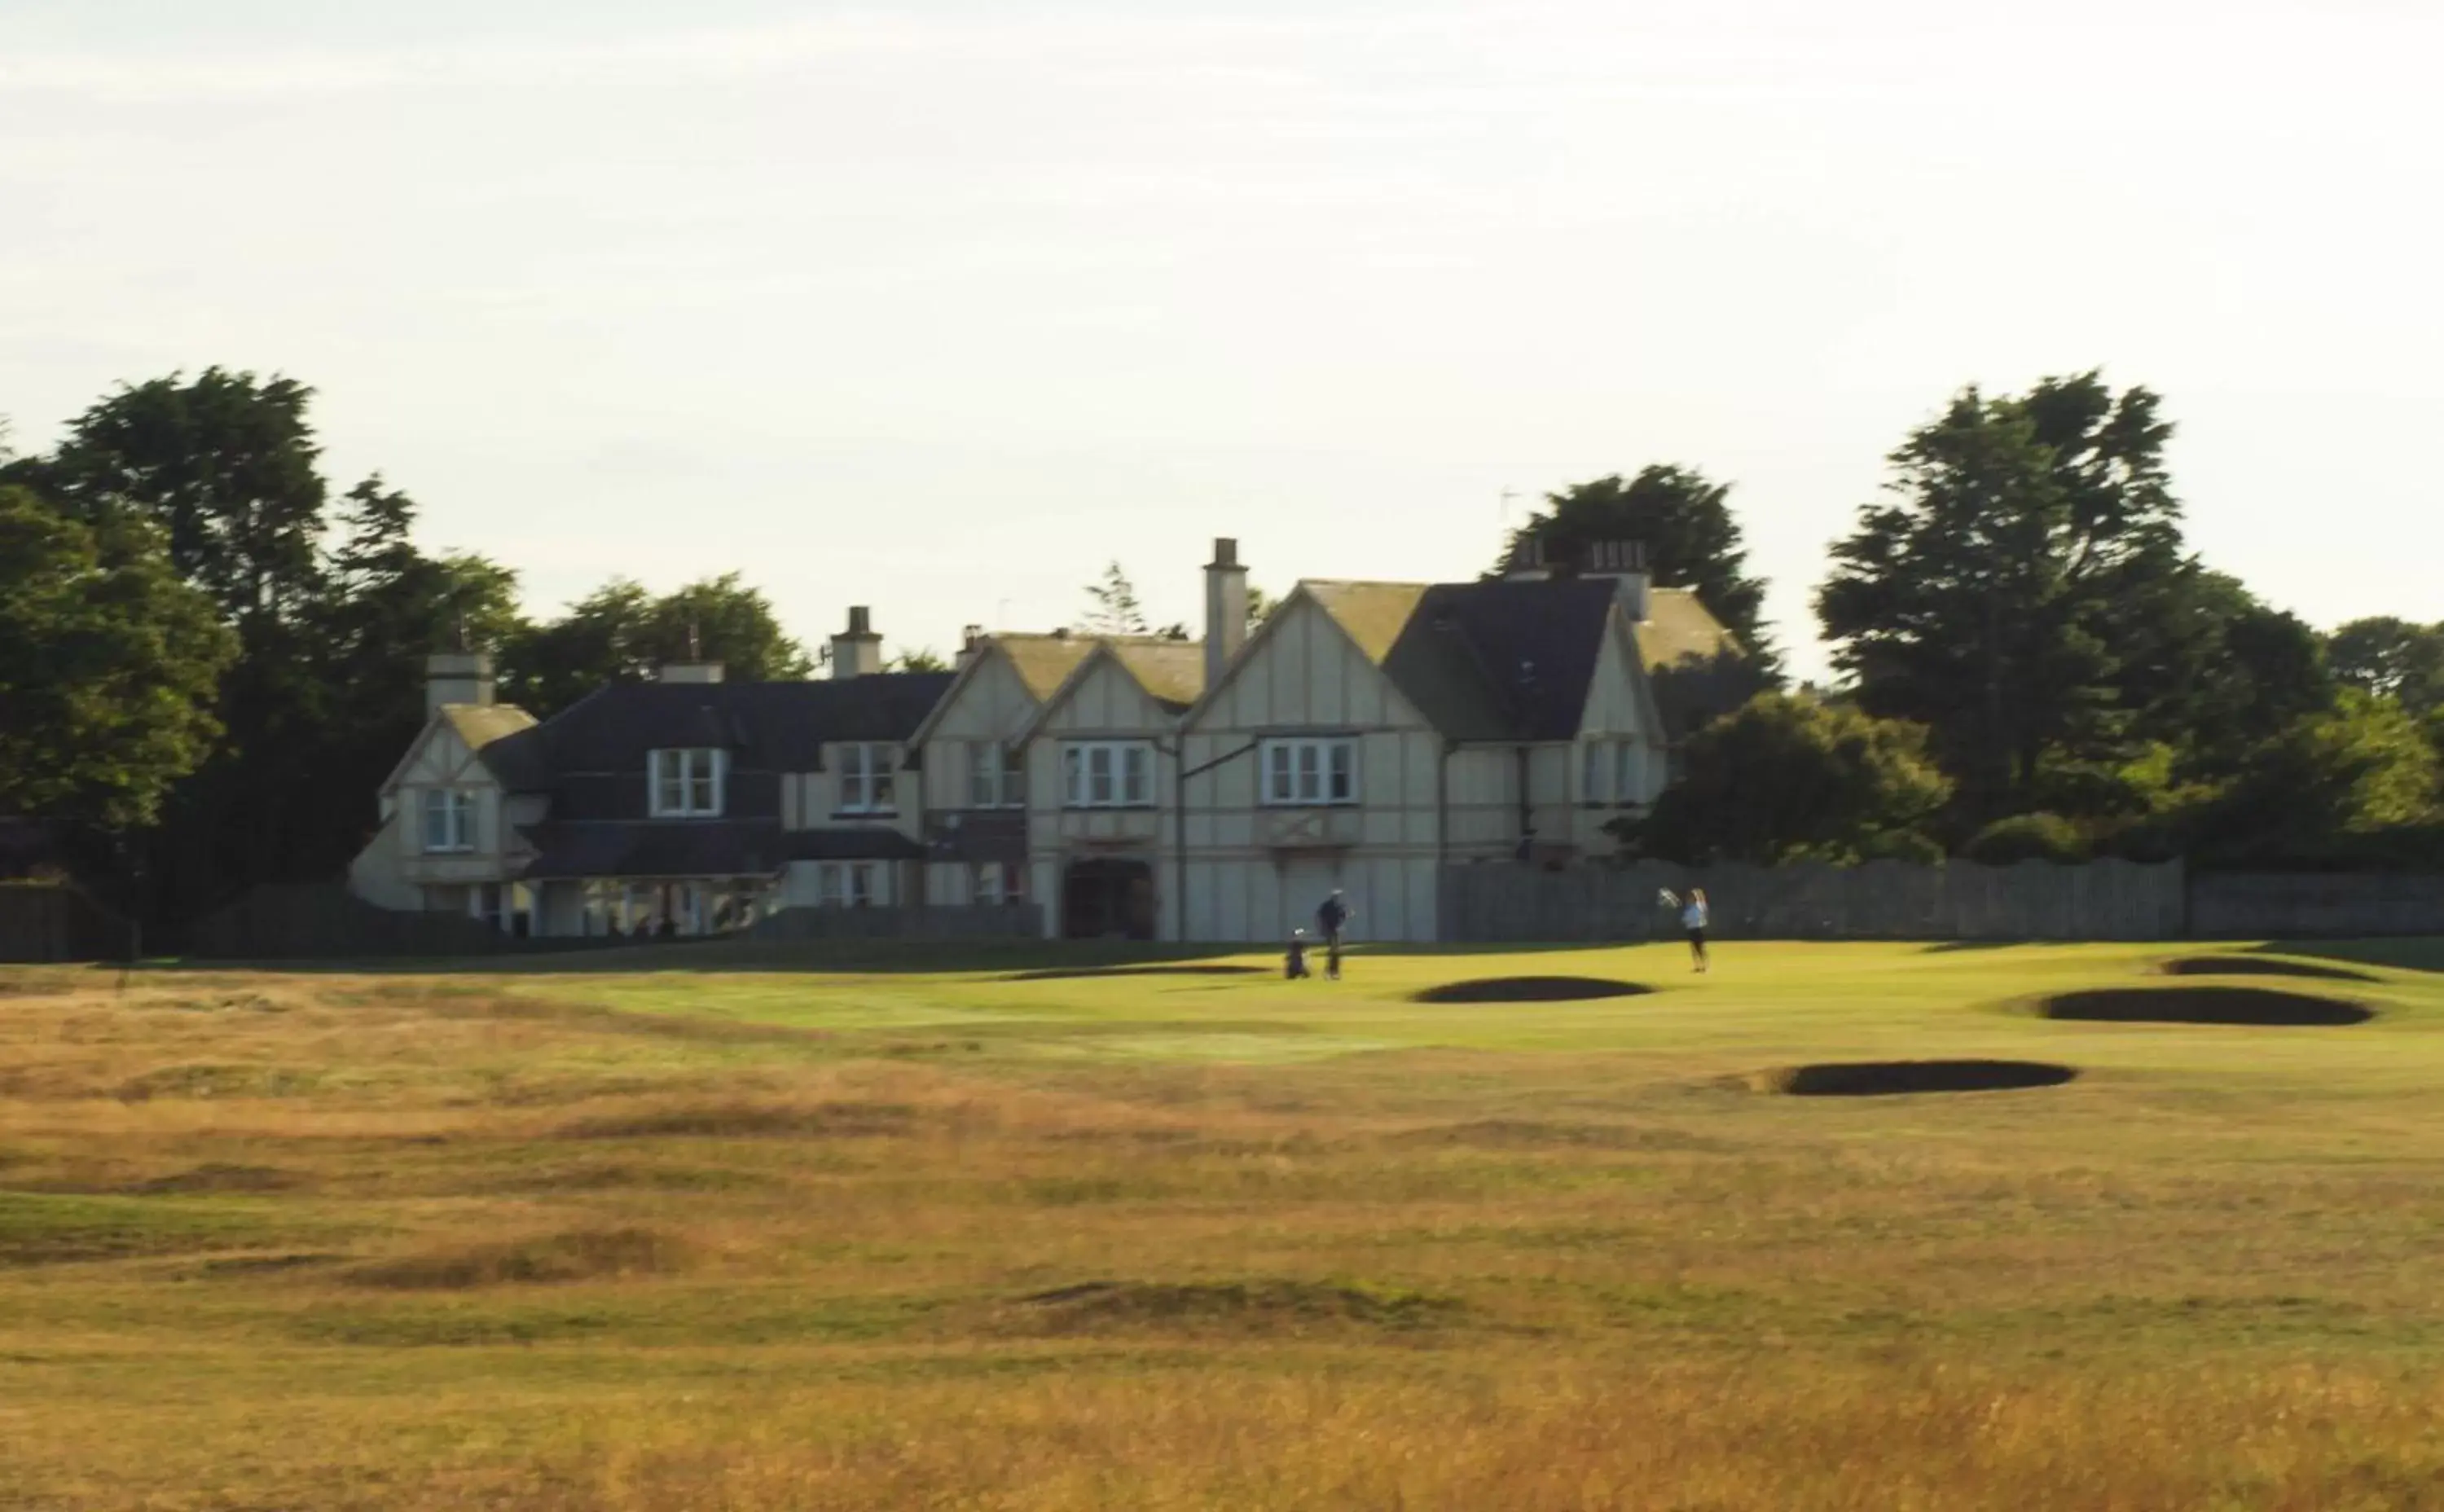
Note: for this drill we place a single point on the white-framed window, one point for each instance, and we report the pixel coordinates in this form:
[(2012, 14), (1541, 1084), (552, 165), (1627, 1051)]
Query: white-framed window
[(850, 884), (448, 821), (686, 784), (996, 775), (1107, 773), (1310, 770), (866, 783), (1626, 772)]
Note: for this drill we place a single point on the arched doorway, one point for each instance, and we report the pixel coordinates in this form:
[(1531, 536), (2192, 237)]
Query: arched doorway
[(1109, 899)]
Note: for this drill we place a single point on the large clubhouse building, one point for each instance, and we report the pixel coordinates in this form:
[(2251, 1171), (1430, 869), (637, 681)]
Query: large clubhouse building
[(1363, 737)]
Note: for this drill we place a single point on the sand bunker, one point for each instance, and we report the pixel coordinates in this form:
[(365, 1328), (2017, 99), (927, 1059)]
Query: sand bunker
[(2260, 966), (1889, 1078), (2251, 1006), (1530, 989)]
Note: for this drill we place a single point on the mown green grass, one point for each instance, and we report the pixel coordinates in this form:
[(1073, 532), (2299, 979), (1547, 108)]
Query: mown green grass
[(696, 1230)]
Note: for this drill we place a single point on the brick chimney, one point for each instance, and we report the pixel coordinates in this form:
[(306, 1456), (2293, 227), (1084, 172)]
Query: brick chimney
[(1226, 609), (856, 652), (457, 677)]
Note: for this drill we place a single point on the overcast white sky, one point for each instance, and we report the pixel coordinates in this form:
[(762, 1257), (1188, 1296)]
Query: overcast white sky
[(936, 307)]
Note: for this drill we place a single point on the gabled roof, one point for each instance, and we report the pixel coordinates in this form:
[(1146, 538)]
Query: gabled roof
[(1041, 663), (503, 737), (1172, 672), (498, 734), (1510, 660)]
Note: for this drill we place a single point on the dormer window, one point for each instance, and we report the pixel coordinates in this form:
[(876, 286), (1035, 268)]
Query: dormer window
[(866, 779), (686, 784)]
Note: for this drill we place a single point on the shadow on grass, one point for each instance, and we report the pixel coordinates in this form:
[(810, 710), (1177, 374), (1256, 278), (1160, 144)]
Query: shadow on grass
[(1039, 959), (1066, 973), (2423, 952), (1530, 989)]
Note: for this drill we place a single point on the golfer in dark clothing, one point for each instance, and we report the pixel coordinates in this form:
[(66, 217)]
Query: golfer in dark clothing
[(1328, 920)]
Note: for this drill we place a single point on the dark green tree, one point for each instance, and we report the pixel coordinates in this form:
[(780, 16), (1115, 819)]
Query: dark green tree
[(386, 607), (924, 659), (2391, 658), (2205, 667), (621, 633), (226, 465), (108, 668), (2360, 781), (1987, 599), (1786, 778), (1692, 541)]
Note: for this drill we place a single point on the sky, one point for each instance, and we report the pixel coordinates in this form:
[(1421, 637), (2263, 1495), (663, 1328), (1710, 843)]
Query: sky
[(941, 307)]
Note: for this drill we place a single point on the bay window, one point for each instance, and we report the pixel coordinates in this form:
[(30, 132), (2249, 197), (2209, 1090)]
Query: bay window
[(1310, 770)]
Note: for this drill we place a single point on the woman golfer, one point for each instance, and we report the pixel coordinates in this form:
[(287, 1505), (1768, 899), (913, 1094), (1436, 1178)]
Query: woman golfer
[(1693, 918)]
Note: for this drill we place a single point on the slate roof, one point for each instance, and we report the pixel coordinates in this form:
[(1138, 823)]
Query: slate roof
[(1513, 661), (777, 727)]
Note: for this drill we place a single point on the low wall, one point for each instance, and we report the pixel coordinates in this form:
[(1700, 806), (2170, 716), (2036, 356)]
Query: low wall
[(2308, 905), (1498, 903), (326, 922), (43, 922), (1015, 921)]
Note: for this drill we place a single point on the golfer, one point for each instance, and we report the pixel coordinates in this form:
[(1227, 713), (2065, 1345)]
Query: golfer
[(1328, 920), (1693, 918)]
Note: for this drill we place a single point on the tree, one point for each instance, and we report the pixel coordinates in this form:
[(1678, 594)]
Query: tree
[(1260, 607), (1692, 541), (722, 619), (2354, 782), (1112, 606), (2391, 658), (1787, 778), (386, 607), (621, 634), (109, 665), (2207, 668), (1985, 601), (924, 659), (226, 466)]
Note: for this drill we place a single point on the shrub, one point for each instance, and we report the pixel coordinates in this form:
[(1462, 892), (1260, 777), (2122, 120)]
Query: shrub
[(2027, 838)]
